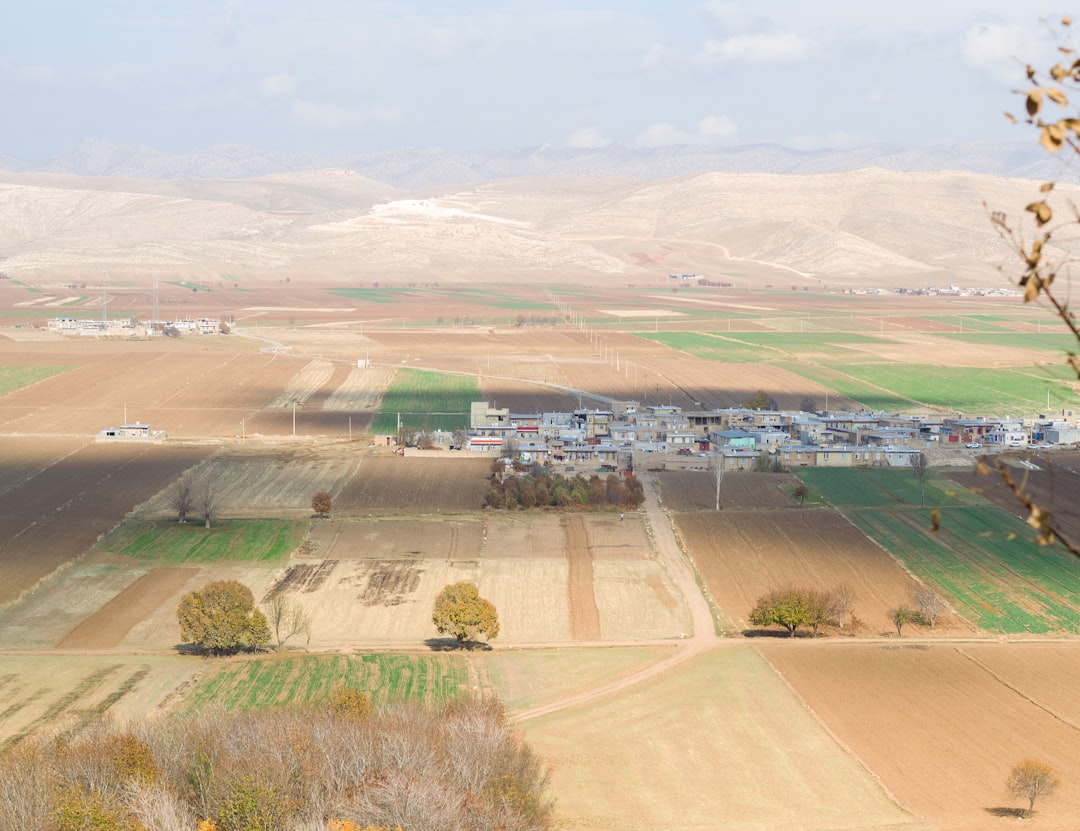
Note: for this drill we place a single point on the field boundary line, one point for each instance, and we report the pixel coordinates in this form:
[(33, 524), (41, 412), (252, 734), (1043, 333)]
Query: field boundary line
[(1002, 680), (916, 817), (907, 570)]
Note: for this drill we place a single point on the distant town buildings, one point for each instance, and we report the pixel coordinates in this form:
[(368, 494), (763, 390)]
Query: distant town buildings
[(744, 439), (131, 327)]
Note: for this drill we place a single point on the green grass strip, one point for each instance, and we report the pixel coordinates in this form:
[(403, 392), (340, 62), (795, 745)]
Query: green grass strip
[(17, 377), (417, 395), (236, 540), (304, 680)]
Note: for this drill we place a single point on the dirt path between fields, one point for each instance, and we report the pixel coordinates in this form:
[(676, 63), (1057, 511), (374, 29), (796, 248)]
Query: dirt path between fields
[(678, 567), (584, 614)]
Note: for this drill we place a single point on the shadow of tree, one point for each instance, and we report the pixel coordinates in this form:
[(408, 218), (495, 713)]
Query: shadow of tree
[(1018, 813), (453, 645), (776, 633)]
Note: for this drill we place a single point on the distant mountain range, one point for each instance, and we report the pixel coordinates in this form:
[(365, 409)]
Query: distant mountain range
[(423, 168)]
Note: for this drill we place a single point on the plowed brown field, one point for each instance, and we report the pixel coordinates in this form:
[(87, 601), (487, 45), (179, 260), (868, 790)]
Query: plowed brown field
[(741, 555), (181, 391), (57, 513), (695, 490), (397, 484), (941, 729)]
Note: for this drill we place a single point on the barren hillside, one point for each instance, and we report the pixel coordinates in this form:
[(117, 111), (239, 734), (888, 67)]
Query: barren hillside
[(858, 226)]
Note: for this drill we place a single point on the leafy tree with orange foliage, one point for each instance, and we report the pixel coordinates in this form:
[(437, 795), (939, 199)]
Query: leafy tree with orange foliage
[(462, 613)]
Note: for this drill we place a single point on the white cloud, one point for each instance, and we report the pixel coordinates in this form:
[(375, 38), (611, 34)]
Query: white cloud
[(587, 138), (732, 18), (652, 58), (37, 74), (1002, 51), (717, 127), (660, 134), (770, 47), (323, 116), (279, 85), (713, 129)]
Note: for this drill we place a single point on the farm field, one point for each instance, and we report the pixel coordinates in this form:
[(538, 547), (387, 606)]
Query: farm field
[(985, 559), (746, 755), (426, 400), (742, 555), (374, 580), (54, 693), (64, 496), (1053, 483), (695, 490), (424, 484), (938, 727), (718, 740), (289, 679), (265, 478)]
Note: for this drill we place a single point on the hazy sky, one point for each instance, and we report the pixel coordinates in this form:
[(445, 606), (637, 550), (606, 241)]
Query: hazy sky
[(356, 76)]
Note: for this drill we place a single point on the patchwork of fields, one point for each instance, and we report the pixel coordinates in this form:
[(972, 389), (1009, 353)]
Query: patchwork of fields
[(650, 722)]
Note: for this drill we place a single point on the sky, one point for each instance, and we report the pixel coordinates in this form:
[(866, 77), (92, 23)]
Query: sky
[(350, 76)]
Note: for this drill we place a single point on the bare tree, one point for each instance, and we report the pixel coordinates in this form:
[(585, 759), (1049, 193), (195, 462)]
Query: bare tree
[(287, 618), (919, 468), (182, 499), (1030, 779), (717, 465), (839, 603), (207, 501), (928, 603)]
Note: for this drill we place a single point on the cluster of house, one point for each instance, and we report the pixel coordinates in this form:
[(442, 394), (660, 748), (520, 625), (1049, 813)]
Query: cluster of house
[(130, 327), (740, 438)]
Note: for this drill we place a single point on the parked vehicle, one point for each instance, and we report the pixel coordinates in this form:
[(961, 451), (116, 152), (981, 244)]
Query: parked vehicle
[(973, 445)]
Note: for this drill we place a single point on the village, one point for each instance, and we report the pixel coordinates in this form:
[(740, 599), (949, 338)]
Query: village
[(746, 439)]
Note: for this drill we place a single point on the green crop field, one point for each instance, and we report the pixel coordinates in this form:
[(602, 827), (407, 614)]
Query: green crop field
[(968, 389), (302, 680), (373, 295), (967, 323), (742, 347), (421, 396), (985, 559), (708, 347), (862, 487), (16, 377), (185, 284), (899, 387), (988, 563), (249, 540), (1049, 341)]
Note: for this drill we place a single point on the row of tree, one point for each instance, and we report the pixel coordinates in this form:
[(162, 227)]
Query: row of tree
[(221, 618), (793, 608), (542, 489), (342, 764)]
